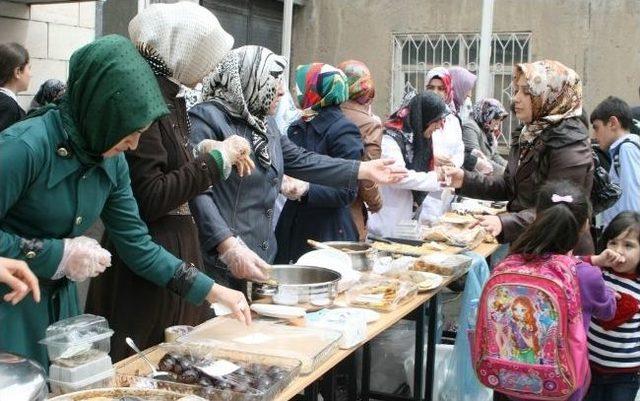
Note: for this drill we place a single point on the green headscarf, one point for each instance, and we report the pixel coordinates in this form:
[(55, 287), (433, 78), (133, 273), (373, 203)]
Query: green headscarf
[(111, 92), (320, 85)]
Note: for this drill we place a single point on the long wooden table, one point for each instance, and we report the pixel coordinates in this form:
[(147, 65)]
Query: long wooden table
[(373, 329), (386, 321)]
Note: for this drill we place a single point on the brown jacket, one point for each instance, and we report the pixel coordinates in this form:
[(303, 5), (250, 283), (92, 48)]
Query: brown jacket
[(371, 132), (562, 151), (164, 177)]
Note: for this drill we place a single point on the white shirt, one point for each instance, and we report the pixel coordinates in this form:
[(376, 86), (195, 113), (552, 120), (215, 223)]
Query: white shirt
[(9, 93), (447, 141), (397, 200), (626, 176)]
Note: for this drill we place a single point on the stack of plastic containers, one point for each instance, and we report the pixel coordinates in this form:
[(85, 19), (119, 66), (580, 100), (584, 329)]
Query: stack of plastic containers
[(78, 348)]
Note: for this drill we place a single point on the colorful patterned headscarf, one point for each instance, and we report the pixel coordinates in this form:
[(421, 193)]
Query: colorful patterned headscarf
[(319, 85), (556, 94), (463, 81), (486, 110), (444, 75), (245, 84), (361, 87)]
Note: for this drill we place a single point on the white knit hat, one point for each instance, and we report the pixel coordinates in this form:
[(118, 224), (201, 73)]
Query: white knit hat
[(187, 37)]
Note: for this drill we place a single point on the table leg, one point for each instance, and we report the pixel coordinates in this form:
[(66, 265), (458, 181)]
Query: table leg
[(431, 346), (366, 371), (419, 353), (311, 392), (353, 377)]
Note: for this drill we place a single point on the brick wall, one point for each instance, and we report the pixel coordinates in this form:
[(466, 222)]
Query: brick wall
[(51, 33)]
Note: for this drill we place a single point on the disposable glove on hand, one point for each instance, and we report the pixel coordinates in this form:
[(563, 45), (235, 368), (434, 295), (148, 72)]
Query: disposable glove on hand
[(293, 188), (235, 151), (484, 166), (244, 263), (83, 257)]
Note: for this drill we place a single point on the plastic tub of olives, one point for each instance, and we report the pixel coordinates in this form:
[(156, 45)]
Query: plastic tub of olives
[(254, 377)]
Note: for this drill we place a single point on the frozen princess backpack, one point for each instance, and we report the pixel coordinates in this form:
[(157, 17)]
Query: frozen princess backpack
[(529, 339)]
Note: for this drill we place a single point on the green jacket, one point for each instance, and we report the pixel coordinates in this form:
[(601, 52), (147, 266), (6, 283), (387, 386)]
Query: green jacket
[(45, 196)]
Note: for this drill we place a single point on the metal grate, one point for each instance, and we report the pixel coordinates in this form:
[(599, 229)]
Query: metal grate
[(414, 54)]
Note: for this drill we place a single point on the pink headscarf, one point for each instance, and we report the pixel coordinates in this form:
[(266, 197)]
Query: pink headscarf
[(463, 81), (442, 74)]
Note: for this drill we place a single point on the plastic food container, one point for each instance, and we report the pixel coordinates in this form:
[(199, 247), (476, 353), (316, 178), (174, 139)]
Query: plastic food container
[(381, 294), (442, 263), (258, 378), (104, 379), (307, 345), (74, 336), (81, 367)]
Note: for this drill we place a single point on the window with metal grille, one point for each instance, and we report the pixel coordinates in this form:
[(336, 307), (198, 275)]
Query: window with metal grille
[(414, 54)]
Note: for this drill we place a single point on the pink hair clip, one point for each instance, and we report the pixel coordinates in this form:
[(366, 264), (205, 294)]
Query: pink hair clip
[(555, 198)]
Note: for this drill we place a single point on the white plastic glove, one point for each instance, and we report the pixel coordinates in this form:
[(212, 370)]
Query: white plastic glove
[(293, 188), (244, 263), (478, 153), (483, 166), (235, 151), (443, 160), (83, 257)]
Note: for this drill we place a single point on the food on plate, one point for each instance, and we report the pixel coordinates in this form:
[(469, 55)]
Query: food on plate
[(442, 263), (246, 378), (424, 280), (458, 219), (382, 294), (490, 239), (454, 235), (424, 249)]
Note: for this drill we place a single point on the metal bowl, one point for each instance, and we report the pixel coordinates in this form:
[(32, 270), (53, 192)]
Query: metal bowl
[(362, 254), (300, 285)]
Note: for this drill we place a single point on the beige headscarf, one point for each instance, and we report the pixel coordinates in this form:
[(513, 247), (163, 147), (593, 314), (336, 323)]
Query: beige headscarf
[(556, 94), (184, 36)]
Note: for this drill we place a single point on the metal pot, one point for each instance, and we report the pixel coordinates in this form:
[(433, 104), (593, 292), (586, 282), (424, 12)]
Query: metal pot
[(362, 254), (299, 285)]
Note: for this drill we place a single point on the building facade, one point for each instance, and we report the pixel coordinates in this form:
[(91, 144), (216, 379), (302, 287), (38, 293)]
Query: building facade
[(400, 40)]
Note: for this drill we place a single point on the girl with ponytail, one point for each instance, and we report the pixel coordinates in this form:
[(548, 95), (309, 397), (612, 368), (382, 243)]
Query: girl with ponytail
[(543, 254)]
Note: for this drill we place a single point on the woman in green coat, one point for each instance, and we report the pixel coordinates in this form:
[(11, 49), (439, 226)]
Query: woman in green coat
[(64, 168)]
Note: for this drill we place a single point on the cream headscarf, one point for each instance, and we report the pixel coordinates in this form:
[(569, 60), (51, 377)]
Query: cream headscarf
[(183, 40), (556, 94)]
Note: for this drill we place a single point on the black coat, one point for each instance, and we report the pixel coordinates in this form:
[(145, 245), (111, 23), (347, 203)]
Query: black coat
[(10, 111), (164, 176), (324, 213), (562, 151)]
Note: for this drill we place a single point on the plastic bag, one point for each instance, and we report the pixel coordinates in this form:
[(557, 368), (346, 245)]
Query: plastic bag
[(461, 383), (382, 294), (389, 350), (442, 263)]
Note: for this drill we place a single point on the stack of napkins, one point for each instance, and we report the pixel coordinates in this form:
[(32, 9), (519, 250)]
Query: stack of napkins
[(352, 323)]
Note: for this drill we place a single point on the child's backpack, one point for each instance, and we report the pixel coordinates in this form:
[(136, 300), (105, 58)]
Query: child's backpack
[(529, 339)]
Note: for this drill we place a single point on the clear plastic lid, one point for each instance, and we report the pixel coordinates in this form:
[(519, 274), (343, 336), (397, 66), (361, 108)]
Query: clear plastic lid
[(85, 328)]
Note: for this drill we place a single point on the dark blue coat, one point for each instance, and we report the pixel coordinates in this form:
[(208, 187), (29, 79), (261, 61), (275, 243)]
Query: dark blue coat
[(324, 213)]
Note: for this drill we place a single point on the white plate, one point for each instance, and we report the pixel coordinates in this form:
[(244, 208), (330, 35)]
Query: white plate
[(278, 311), (370, 315), (335, 260)]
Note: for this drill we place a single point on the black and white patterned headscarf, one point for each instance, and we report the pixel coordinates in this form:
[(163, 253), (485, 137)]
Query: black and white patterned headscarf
[(245, 83)]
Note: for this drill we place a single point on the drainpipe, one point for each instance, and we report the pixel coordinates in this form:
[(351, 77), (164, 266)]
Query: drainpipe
[(484, 74), (142, 4), (287, 22)]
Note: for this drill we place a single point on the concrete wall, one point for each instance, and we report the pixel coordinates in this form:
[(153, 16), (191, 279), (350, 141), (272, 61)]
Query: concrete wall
[(51, 33), (598, 38)]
